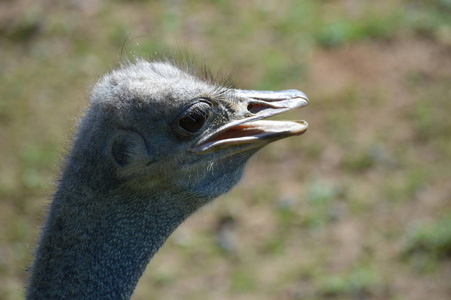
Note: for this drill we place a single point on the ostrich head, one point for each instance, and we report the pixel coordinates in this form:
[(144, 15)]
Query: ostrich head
[(165, 128)]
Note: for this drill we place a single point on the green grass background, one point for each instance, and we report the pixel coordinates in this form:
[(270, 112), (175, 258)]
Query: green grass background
[(357, 208)]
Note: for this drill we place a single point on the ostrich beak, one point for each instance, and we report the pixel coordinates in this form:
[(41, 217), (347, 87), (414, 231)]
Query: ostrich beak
[(252, 131)]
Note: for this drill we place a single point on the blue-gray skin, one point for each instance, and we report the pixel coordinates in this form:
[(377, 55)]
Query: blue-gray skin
[(156, 143)]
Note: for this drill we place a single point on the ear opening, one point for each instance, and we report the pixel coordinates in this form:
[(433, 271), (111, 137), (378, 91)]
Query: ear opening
[(129, 148)]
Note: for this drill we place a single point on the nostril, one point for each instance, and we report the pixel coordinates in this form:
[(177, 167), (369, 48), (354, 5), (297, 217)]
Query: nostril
[(255, 107)]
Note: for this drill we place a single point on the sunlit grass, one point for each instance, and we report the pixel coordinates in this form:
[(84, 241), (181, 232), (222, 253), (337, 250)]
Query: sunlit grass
[(429, 243)]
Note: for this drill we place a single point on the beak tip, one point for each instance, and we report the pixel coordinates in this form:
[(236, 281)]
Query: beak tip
[(300, 94)]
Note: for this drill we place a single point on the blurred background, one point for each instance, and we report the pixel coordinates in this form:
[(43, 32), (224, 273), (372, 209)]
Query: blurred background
[(357, 208)]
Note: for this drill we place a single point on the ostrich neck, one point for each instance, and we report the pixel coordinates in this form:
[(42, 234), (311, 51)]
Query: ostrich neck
[(96, 244)]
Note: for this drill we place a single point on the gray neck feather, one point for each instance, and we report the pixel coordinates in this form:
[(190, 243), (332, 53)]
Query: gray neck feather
[(98, 240)]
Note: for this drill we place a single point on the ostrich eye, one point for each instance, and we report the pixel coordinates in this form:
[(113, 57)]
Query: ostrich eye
[(195, 117)]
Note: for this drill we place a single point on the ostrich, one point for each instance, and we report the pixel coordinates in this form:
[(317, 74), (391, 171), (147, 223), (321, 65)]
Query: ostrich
[(158, 141)]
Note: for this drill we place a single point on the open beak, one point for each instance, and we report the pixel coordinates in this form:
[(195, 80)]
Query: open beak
[(253, 131)]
